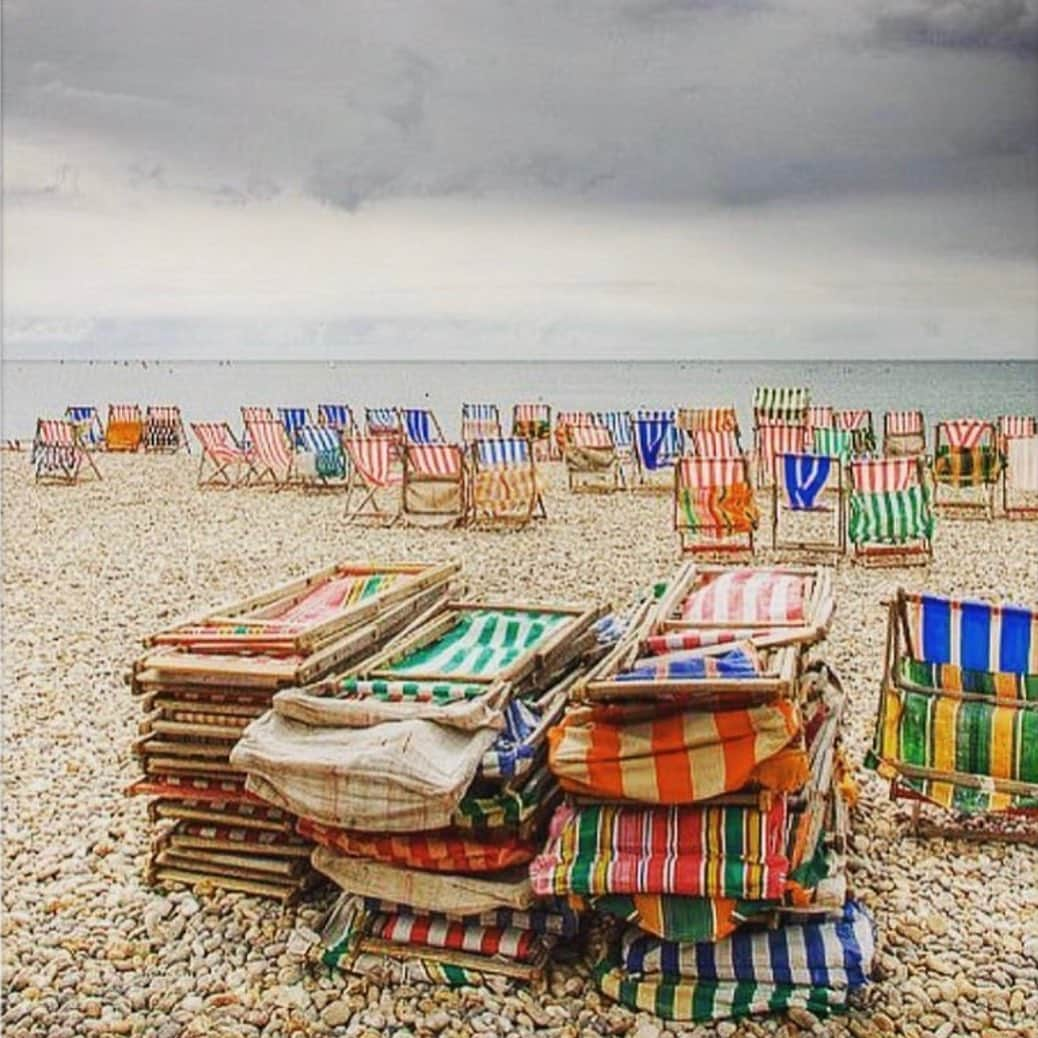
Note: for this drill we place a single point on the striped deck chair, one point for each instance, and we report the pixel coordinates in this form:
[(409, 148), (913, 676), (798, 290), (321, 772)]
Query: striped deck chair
[(890, 511), (325, 460), (1012, 426), (592, 463), (714, 506), (336, 416), (904, 432), (164, 431), (505, 485), (533, 422), (711, 443), (372, 472), (708, 419), (657, 443), (228, 463), (384, 423), (271, 452), (1020, 478), (253, 414), (480, 422), (775, 437), (819, 416), (292, 420), (58, 454), (957, 723), (619, 425), (783, 404), (125, 427), (858, 422), (419, 425), (832, 443), (797, 495), (434, 484), (567, 421), (966, 457), (91, 431)]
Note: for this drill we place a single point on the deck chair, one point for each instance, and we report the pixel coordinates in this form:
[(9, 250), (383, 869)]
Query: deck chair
[(227, 462), (966, 458), (271, 452), (1020, 478), (434, 484), (58, 454), (858, 422), (890, 515), (125, 427), (592, 463), (372, 472), (957, 723), (91, 431), (320, 458), (710, 443), (506, 488), (833, 443), (567, 421), (164, 431), (253, 414), (819, 416), (799, 494), (658, 443), (707, 419), (904, 432), (778, 405), (383, 422), (480, 422), (715, 510), (419, 425), (774, 437), (533, 422), (292, 420), (336, 416)]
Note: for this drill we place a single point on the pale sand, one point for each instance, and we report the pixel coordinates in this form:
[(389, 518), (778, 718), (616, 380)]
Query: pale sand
[(88, 570)]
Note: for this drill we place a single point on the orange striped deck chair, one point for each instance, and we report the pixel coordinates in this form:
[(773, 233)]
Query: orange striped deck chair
[(224, 462), (373, 474), (434, 484), (532, 422), (715, 511), (164, 431), (506, 489), (252, 413), (904, 432), (480, 422), (592, 461), (714, 443), (273, 456), (820, 416), (125, 428), (58, 454), (967, 463)]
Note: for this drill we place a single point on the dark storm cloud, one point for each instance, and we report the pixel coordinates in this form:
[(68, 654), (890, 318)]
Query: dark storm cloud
[(1010, 26)]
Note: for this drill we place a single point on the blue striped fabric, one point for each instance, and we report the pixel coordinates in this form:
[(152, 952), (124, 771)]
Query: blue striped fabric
[(503, 453), (970, 646), (657, 439), (511, 754), (323, 442), (736, 663), (382, 417), (293, 419), (480, 412), (93, 433), (803, 478), (337, 416), (619, 425), (418, 423)]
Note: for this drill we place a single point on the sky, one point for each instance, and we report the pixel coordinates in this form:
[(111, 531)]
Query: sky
[(501, 179)]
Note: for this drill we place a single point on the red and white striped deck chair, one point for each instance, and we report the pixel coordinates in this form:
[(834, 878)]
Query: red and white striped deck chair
[(532, 422), (708, 419), (58, 453), (434, 484), (966, 459), (774, 439), (372, 472), (567, 421), (711, 443), (125, 427), (164, 431), (251, 413), (858, 422), (228, 463), (819, 416), (904, 432), (592, 461), (715, 511), (1020, 478), (273, 457), (1015, 426)]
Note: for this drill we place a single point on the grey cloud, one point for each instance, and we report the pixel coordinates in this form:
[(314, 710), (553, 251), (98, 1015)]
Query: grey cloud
[(1010, 26)]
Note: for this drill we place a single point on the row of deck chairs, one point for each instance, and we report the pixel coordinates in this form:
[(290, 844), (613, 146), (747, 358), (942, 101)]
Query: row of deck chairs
[(159, 429)]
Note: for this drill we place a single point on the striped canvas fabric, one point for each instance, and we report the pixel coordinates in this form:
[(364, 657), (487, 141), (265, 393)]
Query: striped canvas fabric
[(257, 414), (902, 423), (950, 677), (719, 510), (699, 851), (967, 466), (577, 419), (322, 601), (124, 412), (591, 437), (1022, 464), (678, 641), (804, 477), (619, 425), (708, 419), (335, 416), (480, 412), (531, 421), (712, 471), (739, 662), (891, 517), (510, 807), (786, 403), (372, 456), (90, 421), (323, 442), (1013, 425), (438, 932), (676, 918), (819, 416), (382, 420), (748, 596), (657, 440), (441, 692), (271, 447), (555, 919), (503, 453), (504, 492), (435, 459), (419, 426), (849, 419), (480, 421), (976, 635), (514, 749), (124, 428), (833, 443), (164, 412), (217, 440), (774, 440), (677, 758), (708, 443), (163, 427), (875, 476), (55, 449), (966, 433), (293, 419)]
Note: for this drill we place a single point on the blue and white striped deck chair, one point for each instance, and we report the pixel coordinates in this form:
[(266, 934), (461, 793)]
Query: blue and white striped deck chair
[(293, 419), (619, 425), (382, 421), (658, 443), (329, 459), (420, 425), (505, 485), (88, 422), (336, 416)]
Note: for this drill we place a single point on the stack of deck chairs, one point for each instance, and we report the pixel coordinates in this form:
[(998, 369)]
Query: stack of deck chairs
[(421, 775), (204, 680), (706, 805)]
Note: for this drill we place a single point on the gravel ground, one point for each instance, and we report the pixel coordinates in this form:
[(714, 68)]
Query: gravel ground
[(88, 949)]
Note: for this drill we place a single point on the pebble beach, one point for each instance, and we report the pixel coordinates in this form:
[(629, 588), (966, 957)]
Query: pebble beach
[(89, 949)]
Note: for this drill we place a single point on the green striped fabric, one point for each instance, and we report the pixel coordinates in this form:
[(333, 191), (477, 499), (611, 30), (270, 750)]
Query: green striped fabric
[(967, 467), (952, 678), (833, 443), (891, 517), (964, 799), (784, 402), (677, 918), (482, 643), (506, 808), (440, 692)]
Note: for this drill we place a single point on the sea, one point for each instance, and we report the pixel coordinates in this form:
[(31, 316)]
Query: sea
[(212, 390)]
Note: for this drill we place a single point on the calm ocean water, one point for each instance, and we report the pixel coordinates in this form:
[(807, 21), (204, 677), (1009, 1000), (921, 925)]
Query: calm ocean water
[(214, 390)]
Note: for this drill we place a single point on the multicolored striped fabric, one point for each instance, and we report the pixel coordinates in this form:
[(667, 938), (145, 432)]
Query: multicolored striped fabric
[(555, 919), (785, 403), (880, 475), (892, 517), (950, 677), (505, 452), (480, 421), (442, 460), (677, 758), (677, 641), (55, 449), (709, 443), (1022, 464), (676, 918), (420, 426), (708, 419), (372, 457), (92, 433), (747, 596), (441, 692), (503, 493), (718, 509), (740, 662), (833, 443), (293, 419), (438, 932), (967, 466), (819, 416), (734, 852), (335, 416), (658, 442), (964, 433), (619, 425), (849, 419), (804, 477), (323, 442), (382, 421), (507, 808), (513, 753)]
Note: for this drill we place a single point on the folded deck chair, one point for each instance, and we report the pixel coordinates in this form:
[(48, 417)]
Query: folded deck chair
[(592, 463), (419, 425), (775, 437), (164, 431), (125, 427), (325, 460), (533, 422), (957, 724), (714, 506), (58, 454), (372, 473), (858, 422), (658, 443), (272, 454), (904, 432), (966, 457), (91, 431), (336, 416), (293, 419), (480, 422), (798, 495), (890, 512), (224, 462), (434, 485), (1020, 478), (505, 485)]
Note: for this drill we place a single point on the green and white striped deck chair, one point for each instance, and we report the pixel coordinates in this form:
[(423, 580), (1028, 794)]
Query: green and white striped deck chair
[(890, 518), (779, 405)]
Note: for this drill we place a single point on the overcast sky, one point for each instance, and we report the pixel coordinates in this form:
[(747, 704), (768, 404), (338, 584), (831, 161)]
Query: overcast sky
[(501, 178)]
